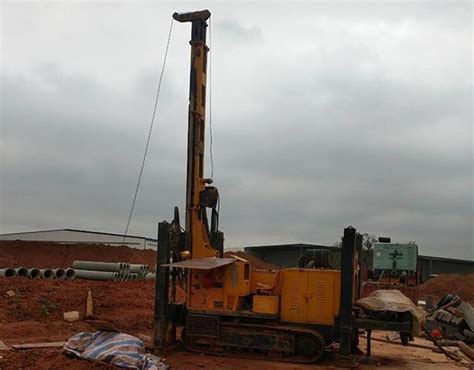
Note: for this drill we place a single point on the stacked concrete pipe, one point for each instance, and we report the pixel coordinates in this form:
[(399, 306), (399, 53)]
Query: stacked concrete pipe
[(7, 272), (150, 276), (22, 271), (47, 274), (96, 275), (70, 274), (34, 273), (59, 274), (139, 269), (102, 266)]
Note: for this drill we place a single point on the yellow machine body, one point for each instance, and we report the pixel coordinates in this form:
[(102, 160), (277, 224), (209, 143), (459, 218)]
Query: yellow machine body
[(309, 295), (266, 304), (220, 288), (299, 295)]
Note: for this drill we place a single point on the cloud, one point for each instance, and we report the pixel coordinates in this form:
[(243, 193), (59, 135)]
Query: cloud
[(323, 116)]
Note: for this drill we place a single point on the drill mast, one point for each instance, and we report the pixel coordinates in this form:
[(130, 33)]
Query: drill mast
[(200, 240)]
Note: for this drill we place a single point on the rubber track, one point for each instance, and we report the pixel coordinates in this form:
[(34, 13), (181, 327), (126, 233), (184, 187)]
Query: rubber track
[(260, 355)]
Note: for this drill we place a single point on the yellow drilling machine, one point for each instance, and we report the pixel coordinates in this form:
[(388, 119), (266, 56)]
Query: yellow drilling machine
[(290, 314)]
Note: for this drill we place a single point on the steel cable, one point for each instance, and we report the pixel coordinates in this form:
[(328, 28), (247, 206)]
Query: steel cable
[(149, 133)]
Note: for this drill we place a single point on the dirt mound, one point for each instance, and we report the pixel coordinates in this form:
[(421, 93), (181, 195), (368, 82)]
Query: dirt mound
[(47, 254), (462, 285), (256, 264)]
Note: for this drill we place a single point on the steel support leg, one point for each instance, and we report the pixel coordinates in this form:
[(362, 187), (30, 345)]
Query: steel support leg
[(369, 342), (347, 291), (160, 334)]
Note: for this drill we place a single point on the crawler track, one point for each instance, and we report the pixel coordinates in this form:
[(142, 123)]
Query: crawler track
[(257, 341)]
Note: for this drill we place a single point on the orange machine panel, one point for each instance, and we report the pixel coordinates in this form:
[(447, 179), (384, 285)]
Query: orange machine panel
[(236, 284), (261, 277), (293, 290), (206, 288), (309, 295), (267, 304), (323, 296)]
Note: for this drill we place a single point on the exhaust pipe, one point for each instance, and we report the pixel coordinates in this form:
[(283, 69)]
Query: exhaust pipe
[(7, 272), (70, 274), (22, 271), (34, 273), (59, 274), (47, 274)]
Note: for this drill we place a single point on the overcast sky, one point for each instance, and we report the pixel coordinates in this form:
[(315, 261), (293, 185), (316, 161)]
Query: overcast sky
[(324, 115)]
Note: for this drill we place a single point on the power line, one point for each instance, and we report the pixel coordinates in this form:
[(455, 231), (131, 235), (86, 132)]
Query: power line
[(149, 133)]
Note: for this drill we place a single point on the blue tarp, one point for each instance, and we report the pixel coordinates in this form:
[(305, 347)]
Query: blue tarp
[(119, 349)]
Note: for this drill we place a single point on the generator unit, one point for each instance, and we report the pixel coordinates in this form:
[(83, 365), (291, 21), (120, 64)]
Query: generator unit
[(395, 258)]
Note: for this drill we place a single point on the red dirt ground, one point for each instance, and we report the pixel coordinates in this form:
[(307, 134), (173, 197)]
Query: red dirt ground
[(46, 254), (462, 285), (34, 314)]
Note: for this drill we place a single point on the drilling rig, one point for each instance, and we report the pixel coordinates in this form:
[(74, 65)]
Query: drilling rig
[(290, 314)]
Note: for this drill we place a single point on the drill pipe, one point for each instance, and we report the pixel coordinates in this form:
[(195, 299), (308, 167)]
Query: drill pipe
[(7, 272)]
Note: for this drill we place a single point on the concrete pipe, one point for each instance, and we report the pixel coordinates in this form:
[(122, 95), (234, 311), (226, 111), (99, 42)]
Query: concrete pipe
[(8, 272), (125, 267), (70, 274), (100, 266), (150, 276), (95, 275), (138, 269), (34, 273), (59, 274), (47, 274), (133, 276), (22, 271)]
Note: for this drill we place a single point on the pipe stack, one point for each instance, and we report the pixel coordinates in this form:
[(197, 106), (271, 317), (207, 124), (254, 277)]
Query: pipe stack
[(89, 270), (92, 270)]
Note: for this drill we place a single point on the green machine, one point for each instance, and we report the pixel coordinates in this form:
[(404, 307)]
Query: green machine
[(395, 257)]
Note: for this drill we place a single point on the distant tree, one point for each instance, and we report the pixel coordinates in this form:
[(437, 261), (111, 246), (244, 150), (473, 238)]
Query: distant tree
[(368, 241)]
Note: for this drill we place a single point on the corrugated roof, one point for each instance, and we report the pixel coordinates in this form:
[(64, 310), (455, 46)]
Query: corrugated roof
[(79, 231)]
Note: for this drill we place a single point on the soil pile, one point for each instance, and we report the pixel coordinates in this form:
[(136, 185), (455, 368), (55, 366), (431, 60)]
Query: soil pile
[(462, 285), (47, 254), (256, 264)]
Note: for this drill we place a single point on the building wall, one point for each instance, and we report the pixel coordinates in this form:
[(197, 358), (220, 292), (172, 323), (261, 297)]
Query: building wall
[(443, 266), (70, 236), (287, 256)]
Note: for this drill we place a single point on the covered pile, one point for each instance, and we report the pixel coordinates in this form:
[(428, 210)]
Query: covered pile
[(452, 318)]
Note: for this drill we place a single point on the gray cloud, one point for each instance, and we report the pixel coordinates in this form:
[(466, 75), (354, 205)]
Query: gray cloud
[(323, 115)]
